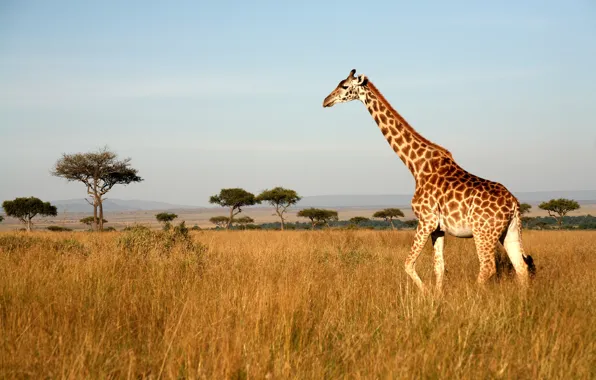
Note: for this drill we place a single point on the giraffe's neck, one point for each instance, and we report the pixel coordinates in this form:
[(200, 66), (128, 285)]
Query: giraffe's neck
[(415, 151)]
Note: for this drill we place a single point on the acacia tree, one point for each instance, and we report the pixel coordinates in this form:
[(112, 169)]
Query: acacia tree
[(243, 221), (25, 209), (280, 199), (165, 218), (100, 171), (558, 208), (235, 199), (358, 219), (388, 215), (318, 216), (524, 208), (220, 221)]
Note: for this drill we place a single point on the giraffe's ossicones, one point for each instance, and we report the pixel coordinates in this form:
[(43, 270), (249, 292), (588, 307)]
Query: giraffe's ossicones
[(447, 198)]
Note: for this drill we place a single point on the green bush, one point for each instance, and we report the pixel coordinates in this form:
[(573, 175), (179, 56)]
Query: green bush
[(58, 229)]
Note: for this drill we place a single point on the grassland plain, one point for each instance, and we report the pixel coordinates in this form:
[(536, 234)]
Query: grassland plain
[(293, 304)]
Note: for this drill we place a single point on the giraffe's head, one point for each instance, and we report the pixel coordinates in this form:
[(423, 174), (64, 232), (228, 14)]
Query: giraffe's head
[(349, 89)]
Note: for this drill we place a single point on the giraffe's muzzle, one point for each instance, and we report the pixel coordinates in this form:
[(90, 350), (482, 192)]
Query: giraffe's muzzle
[(328, 102)]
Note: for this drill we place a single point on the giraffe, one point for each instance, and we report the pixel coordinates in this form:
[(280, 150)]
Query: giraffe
[(447, 198)]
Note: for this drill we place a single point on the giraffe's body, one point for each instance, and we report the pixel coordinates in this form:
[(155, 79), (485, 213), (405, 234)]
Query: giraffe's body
[(447, 199)]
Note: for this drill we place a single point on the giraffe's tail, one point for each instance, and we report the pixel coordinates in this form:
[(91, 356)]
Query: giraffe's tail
[(514, 237)]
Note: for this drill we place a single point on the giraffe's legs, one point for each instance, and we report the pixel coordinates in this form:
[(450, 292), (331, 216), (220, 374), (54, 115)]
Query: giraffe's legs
[(486, 244), (425, 227), (438, 240)]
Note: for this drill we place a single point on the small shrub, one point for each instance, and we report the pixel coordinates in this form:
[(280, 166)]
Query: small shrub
[(181, 229), (58, 229), (142, 241)]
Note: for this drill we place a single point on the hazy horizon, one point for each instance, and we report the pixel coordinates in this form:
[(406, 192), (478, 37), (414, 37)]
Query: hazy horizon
[(204, 96), (346, 200)]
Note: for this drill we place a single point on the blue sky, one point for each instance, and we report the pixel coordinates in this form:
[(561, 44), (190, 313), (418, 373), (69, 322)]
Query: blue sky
[(207, 95)]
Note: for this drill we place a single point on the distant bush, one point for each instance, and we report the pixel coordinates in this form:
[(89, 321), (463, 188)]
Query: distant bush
[(584, 222), (251, 226), (58, 229)]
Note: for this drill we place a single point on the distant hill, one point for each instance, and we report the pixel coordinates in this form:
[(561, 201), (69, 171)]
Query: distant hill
[(404, 200), (80, 205)]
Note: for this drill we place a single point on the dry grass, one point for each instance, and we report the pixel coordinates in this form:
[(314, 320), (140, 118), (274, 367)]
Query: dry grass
[(256, 304)]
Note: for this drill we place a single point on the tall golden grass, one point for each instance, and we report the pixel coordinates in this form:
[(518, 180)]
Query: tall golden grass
[(257, 304)]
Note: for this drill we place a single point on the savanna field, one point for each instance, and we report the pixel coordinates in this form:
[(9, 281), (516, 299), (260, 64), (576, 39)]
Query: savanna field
[(293, 304)]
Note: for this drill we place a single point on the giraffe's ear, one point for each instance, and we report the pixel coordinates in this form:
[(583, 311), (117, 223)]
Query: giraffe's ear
[(362, 80)]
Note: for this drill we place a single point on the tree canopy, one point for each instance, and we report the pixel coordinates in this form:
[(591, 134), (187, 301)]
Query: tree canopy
[(99, 171), (27, 208), (234, 199), (220, 221), (558, 208), (280, 198), (165, 217), (388, 215), (524, 208), (318, 216)]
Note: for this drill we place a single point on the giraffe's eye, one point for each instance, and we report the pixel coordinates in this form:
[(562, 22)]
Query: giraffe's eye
[(344, 87)]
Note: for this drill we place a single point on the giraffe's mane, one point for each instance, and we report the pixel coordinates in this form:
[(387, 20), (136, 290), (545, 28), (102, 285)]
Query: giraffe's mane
[(403, 121)]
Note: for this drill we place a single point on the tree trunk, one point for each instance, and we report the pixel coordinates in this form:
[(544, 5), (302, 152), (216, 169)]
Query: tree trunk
[(392, 225), (282, 220), (230, 220), (100, 201), (281, 216), (28, 224), (95, 221), (95, 225), (313, 223)]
